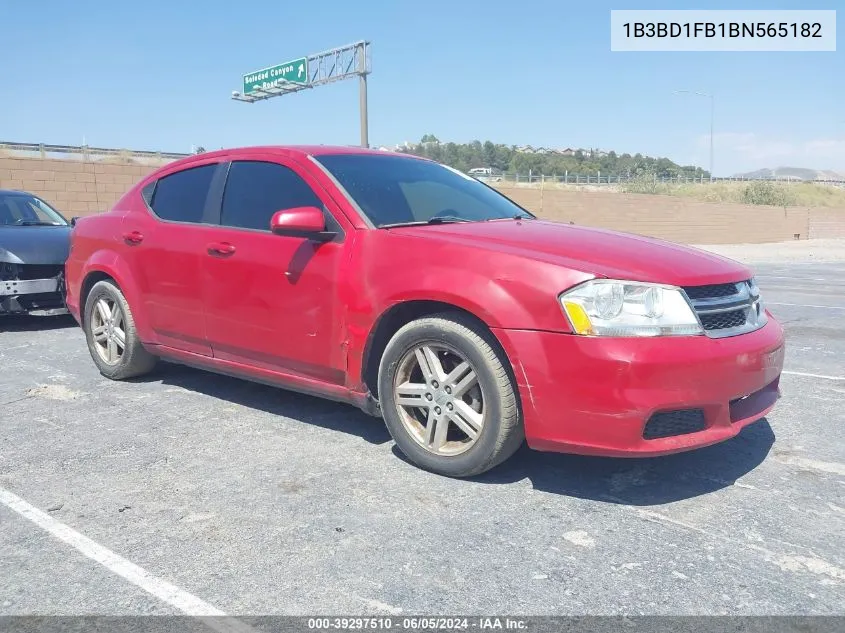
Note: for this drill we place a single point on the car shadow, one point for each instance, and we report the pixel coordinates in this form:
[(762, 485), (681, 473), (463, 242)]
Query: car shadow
[(649, 481), (27, 323), (275, 400), (645, 481)]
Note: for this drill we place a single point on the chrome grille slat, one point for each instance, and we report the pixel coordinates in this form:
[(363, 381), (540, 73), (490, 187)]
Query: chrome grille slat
[(725, 309), (730, 307)]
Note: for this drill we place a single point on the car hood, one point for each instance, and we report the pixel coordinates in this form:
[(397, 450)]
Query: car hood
[(34, 244), (600, 252)]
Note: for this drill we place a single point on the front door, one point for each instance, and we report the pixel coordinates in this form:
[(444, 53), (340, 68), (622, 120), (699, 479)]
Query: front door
[(272, 301)]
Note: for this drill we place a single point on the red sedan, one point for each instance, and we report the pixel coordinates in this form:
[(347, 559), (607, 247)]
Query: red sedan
[(425, 297)]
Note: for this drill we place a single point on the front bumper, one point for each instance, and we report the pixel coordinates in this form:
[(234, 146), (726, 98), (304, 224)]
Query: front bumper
[(32, 296), (594, 396)]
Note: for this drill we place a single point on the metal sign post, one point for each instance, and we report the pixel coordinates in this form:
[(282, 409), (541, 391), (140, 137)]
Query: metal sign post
[(308, 72)]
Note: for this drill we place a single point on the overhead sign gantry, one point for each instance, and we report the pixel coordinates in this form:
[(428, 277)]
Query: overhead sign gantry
[(308, 72)]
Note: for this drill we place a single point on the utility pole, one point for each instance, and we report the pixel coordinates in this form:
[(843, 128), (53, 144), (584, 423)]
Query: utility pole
[(712, 111), (362, 96)]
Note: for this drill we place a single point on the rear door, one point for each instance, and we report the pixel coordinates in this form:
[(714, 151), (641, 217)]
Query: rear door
[(272, 301), (165, 244)]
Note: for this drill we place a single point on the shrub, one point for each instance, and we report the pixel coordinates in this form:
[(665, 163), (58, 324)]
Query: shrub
[(768, 193)]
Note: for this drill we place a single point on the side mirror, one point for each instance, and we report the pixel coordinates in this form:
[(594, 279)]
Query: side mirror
[(307, 222), (74, 219)]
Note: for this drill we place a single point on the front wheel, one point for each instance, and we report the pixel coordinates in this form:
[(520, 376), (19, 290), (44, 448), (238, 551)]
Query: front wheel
[(448, 398)]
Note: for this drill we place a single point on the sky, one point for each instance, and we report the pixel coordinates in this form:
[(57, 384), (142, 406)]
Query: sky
[(158, 75)]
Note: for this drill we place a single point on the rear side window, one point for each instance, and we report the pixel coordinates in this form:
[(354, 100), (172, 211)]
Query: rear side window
[(180, 197), (255, 190)]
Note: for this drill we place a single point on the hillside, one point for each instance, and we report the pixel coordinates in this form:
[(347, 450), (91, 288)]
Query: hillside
[(792, 173), (514, 159)]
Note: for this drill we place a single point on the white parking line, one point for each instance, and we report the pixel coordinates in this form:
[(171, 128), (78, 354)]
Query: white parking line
[(804, 305), (806, 375), (765, 276), (161, 589)]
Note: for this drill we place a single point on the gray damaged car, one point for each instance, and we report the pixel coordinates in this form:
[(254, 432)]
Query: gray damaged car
[(34, 243)]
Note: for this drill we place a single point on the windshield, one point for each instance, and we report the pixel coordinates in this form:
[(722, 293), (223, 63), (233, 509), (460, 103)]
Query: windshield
[(395, 190), (23, 209)]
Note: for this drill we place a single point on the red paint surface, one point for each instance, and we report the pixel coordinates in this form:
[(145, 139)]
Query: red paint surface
[(299, 313)]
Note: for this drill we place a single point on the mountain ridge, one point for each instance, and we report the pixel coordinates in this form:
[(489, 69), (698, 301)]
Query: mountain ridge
[(791, 173)]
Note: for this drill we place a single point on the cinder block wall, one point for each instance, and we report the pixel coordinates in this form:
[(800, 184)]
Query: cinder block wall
[(74, 187), (672, 218), (83, 188), (827, 223)]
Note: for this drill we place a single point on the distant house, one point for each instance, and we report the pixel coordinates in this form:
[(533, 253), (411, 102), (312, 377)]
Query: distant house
[(568, 151)]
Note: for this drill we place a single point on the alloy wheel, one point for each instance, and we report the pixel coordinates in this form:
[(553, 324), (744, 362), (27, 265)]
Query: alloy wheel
[(439, 398), (107, 330)]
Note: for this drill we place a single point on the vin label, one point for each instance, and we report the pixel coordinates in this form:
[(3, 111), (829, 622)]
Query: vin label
[(735, 31)]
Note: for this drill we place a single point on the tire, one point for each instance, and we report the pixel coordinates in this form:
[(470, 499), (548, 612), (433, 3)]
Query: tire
[(134, 360), (456, 338)]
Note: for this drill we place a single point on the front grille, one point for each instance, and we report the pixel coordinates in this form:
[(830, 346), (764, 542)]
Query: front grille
[(8, 272), (38, 271), (724, 320), (41, 301), (726, 309), (712, 291), (670, 423), (26, 272)]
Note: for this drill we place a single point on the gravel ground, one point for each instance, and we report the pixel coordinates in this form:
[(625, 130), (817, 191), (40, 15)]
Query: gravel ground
[(803, 251), (260, 501)]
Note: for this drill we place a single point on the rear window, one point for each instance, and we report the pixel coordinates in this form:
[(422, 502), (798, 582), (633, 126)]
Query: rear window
[(180, 197)]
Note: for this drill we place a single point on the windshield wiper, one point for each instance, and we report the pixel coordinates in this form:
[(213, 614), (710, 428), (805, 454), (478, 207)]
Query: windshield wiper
[(437, 219), (446, 219), (35, 223)]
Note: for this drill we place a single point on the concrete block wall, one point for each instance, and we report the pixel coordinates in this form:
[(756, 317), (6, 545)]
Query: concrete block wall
[(827, 223), (73, 187), (84, 188), (673, 218)]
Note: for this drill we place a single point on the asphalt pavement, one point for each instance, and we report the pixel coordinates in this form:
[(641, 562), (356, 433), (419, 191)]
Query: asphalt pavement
[(185, 485)]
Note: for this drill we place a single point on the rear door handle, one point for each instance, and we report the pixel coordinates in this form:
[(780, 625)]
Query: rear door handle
[(222, 249), (133, 238)]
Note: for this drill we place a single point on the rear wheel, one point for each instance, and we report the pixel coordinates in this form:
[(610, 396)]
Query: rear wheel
[(112, 338), (448, 398)]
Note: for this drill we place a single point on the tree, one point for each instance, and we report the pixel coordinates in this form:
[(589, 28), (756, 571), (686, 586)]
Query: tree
[(465, 156)]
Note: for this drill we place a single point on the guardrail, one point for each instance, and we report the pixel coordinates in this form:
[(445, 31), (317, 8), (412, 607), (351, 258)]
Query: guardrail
[(84, 152)]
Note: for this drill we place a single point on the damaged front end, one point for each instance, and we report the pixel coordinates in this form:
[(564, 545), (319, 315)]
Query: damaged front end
[(36, 289)]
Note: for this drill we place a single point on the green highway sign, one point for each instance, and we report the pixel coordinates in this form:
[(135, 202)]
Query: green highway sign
[(295, 71)]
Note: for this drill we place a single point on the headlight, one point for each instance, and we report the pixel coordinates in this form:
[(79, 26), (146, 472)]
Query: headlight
[(607, 307)]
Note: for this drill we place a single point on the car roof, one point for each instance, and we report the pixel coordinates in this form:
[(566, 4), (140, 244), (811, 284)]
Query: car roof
[(294, 151)]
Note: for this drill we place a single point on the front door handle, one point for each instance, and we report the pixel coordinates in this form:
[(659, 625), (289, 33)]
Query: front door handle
[(133, 238), (221, 249)]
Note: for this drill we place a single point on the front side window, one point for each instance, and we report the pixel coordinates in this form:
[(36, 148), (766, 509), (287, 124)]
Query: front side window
[(22, 209), (392, 190), (180, 197), (255, 190)]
